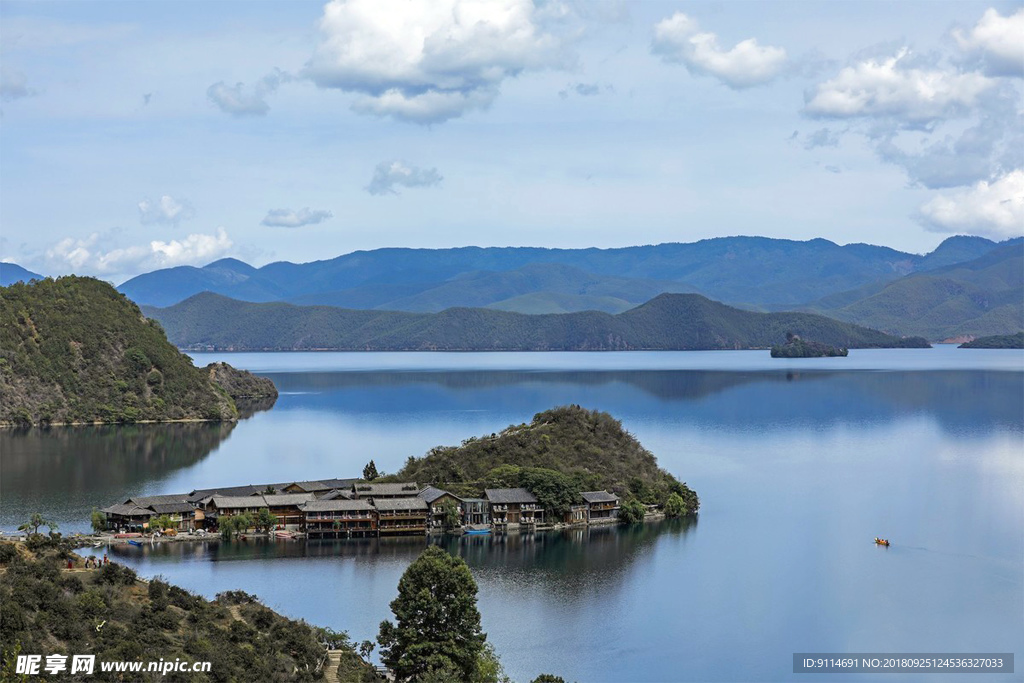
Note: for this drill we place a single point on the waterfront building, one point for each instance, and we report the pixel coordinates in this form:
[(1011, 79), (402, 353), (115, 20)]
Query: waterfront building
[(513, 507), (601, 505), (340, 517)]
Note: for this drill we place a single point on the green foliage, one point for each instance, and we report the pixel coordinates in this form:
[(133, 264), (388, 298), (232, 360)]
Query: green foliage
[(231, 526), (370, 471), (795, 347), (75, 350), (561, 452), (548, 678), (450, 518), (112, 618), (98, 520), (161, 522), (999, 341), (437, 629), (669, 321), (264, 520), (675, 506), (632, 511)]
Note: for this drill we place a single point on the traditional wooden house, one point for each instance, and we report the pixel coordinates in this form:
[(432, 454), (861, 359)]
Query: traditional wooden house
[(476, 511), (182, 515), (435, 499), (601, 505), (577, 514), (340, 517), (228, 506), (287, 507), (513, 507), (380, 491), (401, 515), (127, 517)]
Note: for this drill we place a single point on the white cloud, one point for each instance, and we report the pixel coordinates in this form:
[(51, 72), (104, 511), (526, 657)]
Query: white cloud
[(240, 100), (167, 211), (428, 61), (286, 218), (388, 174), (822, 138), (13, 85), (993, 209), (897, 89), (678, 39), (1000, 40), (92, 254)]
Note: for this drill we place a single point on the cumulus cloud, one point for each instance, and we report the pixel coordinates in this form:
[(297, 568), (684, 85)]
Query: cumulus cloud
[(166, 211), (427, 61), (993, 209), (388, 174), (13, 85), (95, 255), (286, 218), (679, 40), (999, 40), (898, 88), (241, 100)]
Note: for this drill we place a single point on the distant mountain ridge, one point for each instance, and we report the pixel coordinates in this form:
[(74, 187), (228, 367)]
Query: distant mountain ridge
[(757, 272), (12, 272), (667, 322)]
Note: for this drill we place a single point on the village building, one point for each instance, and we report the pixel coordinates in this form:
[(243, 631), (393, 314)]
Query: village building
[(476, 511), (401, 515), (435, 498), (340, 517), (127, 517), (510, 507), (287, 507), (601, 505)]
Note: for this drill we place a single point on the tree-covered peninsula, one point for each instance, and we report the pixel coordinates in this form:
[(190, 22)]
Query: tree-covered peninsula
[(997, 341), (559, 454), (795, 347), (75, 350)]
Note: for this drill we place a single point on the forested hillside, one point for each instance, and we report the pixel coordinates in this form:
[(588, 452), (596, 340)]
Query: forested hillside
[(75, 350), (984, 296), (669, 321)]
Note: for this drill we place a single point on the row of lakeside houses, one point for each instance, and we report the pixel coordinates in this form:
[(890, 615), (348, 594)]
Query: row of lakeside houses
[(352, 507)]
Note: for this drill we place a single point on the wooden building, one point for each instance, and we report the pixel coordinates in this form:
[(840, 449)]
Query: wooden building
[(435, 498), (401, 515), (340, 517), (513, 507), (380, 491), (127, 517), (601, 505), (287, 507)]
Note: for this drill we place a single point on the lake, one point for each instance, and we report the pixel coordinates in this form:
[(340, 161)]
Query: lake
[(799, 465)]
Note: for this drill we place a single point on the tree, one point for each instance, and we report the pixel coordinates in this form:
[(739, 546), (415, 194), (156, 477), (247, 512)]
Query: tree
[(370, 471), (632, 511), (556, 492), (233, 525), (675, 506), (548, 678), (33, 523), (160, 523), (438, 624), (449, 514), (99, 521), (366, 648), (265, 520)]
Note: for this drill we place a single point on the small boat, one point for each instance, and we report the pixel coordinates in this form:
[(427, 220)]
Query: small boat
[(881, 541), (97, 544), (134, 542), (284, 534), (476, 530)]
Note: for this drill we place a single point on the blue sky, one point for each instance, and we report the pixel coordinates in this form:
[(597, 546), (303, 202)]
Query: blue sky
[(144, 135)]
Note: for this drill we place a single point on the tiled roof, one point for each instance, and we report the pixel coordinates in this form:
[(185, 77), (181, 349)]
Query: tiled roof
[(234, 502), (399, 489), (505, 496), (430, 494), (400, 504), (308, 486), (599, 497), (280, 499), (146, 501), (170, 508), (127, 510), (335, 493), (247, 490), (336, 505)]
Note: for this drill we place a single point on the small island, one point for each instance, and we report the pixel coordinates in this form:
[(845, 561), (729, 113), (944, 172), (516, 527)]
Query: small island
[(77, 351), (795, 347), (996, 341)]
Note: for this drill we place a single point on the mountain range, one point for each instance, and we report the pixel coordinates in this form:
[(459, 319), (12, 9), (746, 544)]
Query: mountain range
[(952, 291), (210, 321)]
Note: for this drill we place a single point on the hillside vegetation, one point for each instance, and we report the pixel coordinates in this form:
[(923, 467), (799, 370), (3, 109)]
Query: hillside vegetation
[(109, 613), (984, 296), (1001, 341), (755, 271), (74, 350), (589, 448), (668, 322)]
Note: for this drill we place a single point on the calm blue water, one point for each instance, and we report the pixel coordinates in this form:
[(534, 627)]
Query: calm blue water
[(799, 464)]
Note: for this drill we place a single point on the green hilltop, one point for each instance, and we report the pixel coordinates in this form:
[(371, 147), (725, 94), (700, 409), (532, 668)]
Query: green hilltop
[(667, 322), (75, 350)]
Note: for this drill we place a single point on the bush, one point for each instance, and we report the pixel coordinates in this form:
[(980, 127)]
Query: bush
[(632, 512)]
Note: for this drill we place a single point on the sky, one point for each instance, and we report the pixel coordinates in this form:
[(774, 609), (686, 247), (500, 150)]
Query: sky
[(136, 136)]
